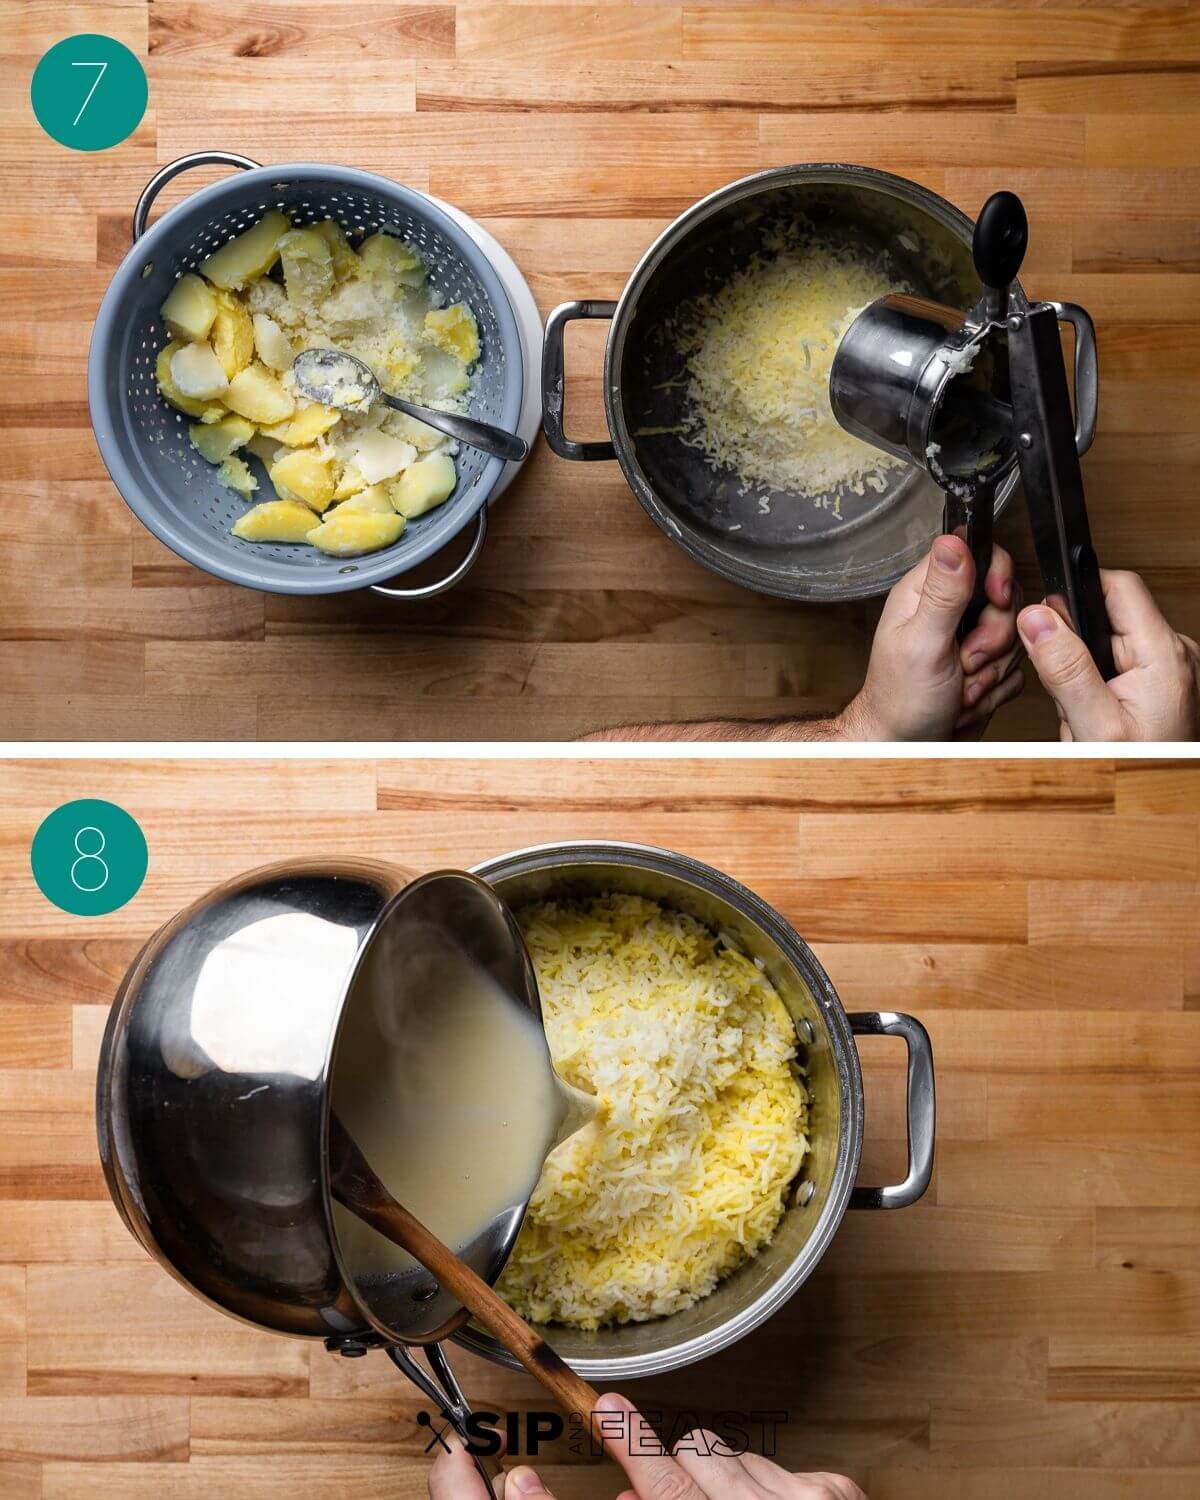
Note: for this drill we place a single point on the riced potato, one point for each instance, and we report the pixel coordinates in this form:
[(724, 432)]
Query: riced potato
[(344, 482)]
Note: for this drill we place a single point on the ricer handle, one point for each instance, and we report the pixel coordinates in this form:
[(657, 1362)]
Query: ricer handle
[(972, 520), (1048, 454), (998, 248), (447, 1395)]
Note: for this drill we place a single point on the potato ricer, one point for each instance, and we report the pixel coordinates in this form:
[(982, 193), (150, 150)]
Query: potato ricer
[(968, 396)]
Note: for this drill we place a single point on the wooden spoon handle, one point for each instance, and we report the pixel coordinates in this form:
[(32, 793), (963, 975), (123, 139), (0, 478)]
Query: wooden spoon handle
[(395, 1223)]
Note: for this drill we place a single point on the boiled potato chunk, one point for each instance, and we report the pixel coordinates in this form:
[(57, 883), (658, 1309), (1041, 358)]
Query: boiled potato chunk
[(255, 393), (197, 372), (371, 501), (207, 411), (232, 335), (345, 535), (306, 426), (378, 456), (275, 521), (305, 474), (190, 309), (390, 262), (345, 261), (454, 330), (350, 483), (424, 486), (423, 437), (273, 345), (249, 256), (307, 266), (264, 449), (217, 440), (234, 473)]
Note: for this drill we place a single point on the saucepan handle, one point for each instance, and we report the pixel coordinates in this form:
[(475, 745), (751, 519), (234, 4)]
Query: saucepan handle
[(444, 1390), (554, 380), (164, 175), (921, 1108), (1087, 372)]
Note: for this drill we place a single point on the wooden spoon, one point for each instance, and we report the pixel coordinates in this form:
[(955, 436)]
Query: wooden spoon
[(354, 1185)]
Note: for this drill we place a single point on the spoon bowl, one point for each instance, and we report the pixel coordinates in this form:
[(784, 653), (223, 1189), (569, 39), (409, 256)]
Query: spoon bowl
[(345, 383)]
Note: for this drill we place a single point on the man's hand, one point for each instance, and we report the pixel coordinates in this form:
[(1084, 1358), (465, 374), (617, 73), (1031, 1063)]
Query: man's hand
[(921, 684), (1154, 696), (700, 1470)]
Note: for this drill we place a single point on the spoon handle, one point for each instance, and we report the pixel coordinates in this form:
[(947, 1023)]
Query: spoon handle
[(483, 435)]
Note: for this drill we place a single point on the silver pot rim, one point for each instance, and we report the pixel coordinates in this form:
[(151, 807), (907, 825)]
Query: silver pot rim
[(815, 173), (564, 855)]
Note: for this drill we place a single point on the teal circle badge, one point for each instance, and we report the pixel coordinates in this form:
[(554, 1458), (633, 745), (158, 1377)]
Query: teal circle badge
[(89, 92), (89, 857)]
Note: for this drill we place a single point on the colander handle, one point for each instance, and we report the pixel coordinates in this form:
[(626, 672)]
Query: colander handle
[(921, 1108), (164, 175), (429, 590), (554, 380)]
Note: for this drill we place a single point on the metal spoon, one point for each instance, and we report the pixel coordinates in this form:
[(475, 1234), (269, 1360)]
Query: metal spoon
[(339, 380)]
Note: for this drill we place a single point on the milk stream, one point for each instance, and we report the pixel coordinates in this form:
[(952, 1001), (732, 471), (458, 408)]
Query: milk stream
[(445, 1081)]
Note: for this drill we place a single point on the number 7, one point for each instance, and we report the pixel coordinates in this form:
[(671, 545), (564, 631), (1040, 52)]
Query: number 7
[(102, 66)]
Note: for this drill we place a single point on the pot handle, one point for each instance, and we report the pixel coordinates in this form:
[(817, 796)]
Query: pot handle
[(431, 590), (921, 1108), (160, 179), (554, 380)]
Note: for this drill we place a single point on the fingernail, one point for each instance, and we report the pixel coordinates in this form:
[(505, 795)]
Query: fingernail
[(611, 1401), (947, 555), (1006, 591), (1036, 623), (524, 1481), (976, 659), (973, 693)]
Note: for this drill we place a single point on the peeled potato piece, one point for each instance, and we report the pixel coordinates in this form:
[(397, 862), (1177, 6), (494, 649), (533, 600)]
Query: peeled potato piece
[(426, 485), (189, 309), (197, 372), (232, 335), (215, 441), (345, 535), (236, 476), (207, 411), (390, 263), (249, 256), (373, 501), (378, 456), (304, 474), (307, 267), (254, 393), (305, 427), (350, 483), (345, 261), (275, 521), (454, 330), (273, 345)]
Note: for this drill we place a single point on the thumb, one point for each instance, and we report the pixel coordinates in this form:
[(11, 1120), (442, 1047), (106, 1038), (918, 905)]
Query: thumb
[(946, 592), (1069, 675)]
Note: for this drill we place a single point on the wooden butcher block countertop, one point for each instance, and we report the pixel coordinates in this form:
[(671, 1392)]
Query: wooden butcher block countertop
[(575, 132), (1029, 1331)]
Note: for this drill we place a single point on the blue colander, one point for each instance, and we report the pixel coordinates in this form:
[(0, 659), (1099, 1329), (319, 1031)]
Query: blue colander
[(144, 442)]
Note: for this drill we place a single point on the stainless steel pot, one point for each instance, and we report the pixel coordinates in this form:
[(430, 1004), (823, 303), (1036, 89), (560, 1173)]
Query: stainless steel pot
[(711, 514), (218, 1063), (759, 1288)]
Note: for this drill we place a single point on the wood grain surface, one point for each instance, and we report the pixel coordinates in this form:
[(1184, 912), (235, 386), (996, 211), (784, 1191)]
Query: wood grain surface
[(575, 132), (1031, 1329)]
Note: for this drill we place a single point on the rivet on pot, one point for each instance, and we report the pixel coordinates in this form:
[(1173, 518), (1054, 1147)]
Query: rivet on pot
[(805, 1032), (805, 1191), (425, 1293)]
